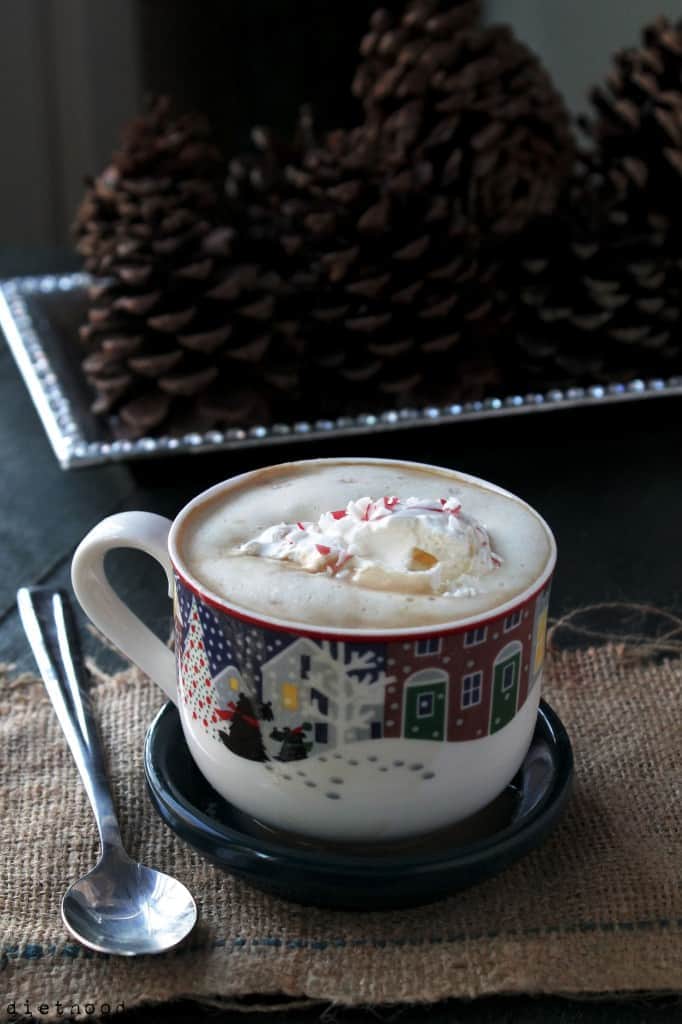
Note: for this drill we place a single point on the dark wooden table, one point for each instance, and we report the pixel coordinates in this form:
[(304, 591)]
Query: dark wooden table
[(608, 480)]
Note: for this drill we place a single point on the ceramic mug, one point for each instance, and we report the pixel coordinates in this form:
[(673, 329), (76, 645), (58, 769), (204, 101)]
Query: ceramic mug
[(343, 734)]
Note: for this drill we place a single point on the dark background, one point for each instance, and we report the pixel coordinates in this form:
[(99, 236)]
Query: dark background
[(255, 63)]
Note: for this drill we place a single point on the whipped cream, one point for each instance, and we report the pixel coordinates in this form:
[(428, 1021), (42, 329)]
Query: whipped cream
[(410, 545)]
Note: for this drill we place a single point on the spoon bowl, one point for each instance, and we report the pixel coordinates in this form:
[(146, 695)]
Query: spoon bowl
[(125, 908)]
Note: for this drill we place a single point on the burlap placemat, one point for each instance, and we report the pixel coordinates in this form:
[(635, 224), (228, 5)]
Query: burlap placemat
[(597, 909)]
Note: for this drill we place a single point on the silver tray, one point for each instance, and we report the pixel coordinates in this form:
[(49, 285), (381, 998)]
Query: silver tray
[(39, 316)]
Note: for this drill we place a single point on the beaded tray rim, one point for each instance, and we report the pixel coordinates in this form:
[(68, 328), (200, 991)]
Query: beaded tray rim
[(61, 410)]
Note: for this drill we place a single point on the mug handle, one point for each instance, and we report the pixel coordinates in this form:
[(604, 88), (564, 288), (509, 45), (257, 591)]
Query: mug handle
[(146, 532)]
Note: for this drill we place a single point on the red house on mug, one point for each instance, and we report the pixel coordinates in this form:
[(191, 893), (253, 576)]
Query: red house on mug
[(468, 684)]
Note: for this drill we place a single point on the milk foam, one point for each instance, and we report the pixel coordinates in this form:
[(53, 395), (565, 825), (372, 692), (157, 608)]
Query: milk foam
[(293, 492)]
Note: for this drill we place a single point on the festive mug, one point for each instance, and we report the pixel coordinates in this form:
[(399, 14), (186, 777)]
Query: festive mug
[(342, 734)]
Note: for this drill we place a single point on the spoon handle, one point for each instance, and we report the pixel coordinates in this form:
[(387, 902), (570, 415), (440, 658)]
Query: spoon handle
[(49, 625)]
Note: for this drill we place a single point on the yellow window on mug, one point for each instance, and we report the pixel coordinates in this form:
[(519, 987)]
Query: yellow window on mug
[(234, 683), (540, 642), (290, 696)]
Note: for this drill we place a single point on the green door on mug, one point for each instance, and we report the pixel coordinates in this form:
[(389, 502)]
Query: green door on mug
[(425, 711), (505, 690)]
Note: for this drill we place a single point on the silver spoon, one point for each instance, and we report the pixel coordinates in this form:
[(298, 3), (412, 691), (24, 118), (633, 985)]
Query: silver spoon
[(120, 906)]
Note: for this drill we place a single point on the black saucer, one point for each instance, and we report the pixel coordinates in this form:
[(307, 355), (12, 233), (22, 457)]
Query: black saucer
[(360, 876)]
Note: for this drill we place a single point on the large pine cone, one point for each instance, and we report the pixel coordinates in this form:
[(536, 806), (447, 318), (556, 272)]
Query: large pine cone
[(390, 307), (164, 162), (259, 188), (392, 45), (600, 288), (599, 297), (475, 104), (636, 126), (179, 320)]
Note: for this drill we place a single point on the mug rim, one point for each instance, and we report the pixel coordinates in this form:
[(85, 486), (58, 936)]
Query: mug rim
[(354, 633)]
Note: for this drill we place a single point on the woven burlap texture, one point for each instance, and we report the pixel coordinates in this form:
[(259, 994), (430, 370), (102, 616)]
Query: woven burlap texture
[(598, 908)]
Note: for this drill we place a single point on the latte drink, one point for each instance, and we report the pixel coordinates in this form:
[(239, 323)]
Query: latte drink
[(357, 544)]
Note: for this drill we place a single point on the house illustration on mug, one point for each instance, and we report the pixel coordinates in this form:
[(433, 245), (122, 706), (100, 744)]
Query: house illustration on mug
[(452, 688), (466, 685), (339, 690)]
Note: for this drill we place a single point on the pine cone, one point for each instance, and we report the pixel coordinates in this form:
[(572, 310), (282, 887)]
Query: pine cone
[(636, 127), (179, 321), (599, 298), (600, 287), (391, 45), (386, 303), (473, 103), (258, 189)]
